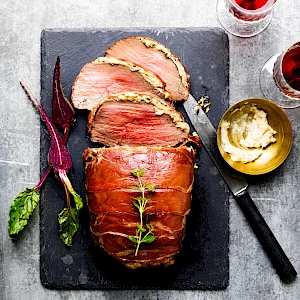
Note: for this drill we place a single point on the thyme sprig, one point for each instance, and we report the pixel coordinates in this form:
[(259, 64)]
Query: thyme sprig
[(142, 234)]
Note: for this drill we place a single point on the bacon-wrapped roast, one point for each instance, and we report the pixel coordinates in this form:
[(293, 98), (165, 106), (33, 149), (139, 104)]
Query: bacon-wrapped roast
[(113, 216)]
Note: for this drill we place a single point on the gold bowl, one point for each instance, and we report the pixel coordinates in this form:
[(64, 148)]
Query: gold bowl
[(275, 153)]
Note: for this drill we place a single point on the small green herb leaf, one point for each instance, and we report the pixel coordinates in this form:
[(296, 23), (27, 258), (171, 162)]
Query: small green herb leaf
[(150, 187), (136, 204), (149, 207), (150, 227), (141, 234), (148, 239), (141, 199), (21, 209), (68, 220), (138, 173), (133, 187), (133, 239), (140, 227)]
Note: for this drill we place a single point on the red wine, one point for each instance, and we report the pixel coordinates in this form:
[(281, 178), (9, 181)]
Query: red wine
[(286, 72), (251, 10), (291, 67), (251, 4)]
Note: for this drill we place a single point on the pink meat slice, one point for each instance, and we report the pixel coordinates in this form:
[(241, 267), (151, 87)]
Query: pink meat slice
[(136, 123), (108, 76), (155, 57)]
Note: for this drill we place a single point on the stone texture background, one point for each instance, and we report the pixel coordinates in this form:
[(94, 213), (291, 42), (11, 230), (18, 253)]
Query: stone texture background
[(276, 195)]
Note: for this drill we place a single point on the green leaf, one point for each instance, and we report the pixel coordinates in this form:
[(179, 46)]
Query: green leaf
[(21, 209), (140, 227), (150, 227), (148, 207), (148, 239), (138, 173), (150, 187), (77, 200), (133, 187), (136, 204), (141, 199), (68, 220), (133, 239), (66, 181)]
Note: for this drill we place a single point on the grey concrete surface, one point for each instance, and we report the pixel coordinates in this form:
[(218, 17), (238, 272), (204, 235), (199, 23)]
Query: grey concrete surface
[(277, 196)]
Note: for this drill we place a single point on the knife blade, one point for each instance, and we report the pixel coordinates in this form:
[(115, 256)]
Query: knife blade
[(238, 185)]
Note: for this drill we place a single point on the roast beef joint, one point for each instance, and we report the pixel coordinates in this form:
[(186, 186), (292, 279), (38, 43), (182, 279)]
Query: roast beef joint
[(113, 216), (139, 180)]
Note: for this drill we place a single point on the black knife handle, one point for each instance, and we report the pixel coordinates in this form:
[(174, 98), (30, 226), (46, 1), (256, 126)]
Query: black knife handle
[(267, 239)]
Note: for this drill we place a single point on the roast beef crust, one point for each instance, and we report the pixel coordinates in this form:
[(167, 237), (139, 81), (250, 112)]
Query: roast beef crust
[(148, 42)]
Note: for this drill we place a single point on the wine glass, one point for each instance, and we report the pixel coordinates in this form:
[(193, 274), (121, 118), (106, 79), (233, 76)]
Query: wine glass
[(245, 18), (280, 78)]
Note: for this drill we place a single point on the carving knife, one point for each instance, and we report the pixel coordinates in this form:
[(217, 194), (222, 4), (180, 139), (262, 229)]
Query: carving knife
[(238, 186)]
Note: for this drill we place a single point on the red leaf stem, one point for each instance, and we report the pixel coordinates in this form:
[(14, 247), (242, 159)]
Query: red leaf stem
[(58, 155)]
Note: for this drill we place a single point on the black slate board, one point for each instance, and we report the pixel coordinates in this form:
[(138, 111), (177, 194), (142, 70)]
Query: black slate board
[(203, 261)]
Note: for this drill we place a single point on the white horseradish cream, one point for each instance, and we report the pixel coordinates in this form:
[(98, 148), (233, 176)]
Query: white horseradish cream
[(247, 134)]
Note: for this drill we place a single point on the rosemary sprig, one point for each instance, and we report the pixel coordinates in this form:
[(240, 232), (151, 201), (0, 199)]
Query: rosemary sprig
[(142, 234)]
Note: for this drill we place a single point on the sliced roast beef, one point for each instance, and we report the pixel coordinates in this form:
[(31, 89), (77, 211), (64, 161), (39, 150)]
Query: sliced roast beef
[(105, 76), (113, 215), (155, 57), (137, 119)]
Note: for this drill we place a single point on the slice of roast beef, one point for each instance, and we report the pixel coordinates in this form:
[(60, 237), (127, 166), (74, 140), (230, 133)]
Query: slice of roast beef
[(105, 76), (155, 57), (112, 213), (137, 119)]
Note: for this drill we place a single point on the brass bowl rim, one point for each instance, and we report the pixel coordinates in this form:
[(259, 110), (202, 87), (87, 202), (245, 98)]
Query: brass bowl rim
[(238, 165)]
